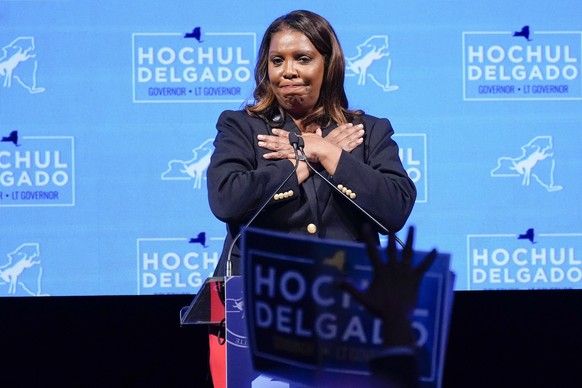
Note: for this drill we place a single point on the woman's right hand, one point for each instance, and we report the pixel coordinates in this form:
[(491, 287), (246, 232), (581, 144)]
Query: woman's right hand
[(327, 150), (347, 136)]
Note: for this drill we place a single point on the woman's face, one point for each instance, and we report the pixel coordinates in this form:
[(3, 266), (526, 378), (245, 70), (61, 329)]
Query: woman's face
[(295, 72)]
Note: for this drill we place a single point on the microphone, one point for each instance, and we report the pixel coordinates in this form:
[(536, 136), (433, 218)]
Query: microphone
[(295, 143), (294, 140), (301, 144)]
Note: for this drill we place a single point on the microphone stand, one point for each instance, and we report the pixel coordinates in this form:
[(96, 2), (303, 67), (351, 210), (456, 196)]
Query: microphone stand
[(298, 146), (294, 143), (303, 157)]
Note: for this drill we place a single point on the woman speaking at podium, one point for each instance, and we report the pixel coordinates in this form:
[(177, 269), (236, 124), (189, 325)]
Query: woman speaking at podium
[(300, 89)]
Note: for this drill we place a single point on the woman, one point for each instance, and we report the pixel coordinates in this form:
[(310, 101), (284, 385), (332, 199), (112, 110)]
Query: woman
[(300, 88)]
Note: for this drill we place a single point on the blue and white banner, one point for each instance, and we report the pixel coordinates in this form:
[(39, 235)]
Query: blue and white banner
[(108, 112), (303, 328)]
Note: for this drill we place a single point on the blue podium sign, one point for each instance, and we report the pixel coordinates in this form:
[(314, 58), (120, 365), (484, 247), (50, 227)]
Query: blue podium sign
[(302, 328)]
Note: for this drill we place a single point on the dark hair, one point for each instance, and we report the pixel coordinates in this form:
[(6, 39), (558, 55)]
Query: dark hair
[(333, 103)]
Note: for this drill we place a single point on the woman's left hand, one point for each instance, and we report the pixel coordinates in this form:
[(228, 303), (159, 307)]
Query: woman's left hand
[(278, 143)]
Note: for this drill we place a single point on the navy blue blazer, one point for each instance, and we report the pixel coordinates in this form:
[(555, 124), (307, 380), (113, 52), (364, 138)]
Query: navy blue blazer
[(240, 180)]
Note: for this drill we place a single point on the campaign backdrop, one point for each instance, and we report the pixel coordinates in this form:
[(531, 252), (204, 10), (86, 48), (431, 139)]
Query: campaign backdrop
[(108, 113)]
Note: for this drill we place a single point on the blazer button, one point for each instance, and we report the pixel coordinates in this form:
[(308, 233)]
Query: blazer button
[(311, 228)]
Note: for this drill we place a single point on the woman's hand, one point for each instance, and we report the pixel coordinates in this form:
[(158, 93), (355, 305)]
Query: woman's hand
[(317, 149), (278, 143), (282, 149), (346, 136)]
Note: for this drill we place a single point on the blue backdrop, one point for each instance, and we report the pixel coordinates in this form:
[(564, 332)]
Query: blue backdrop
[(108, 111)]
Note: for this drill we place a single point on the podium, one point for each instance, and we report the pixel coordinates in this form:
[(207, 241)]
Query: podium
[(207, 308), (220, 303), (287, 325)]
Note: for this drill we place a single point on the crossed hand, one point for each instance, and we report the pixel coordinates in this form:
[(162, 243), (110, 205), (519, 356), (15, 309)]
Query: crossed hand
[(345, 136)]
